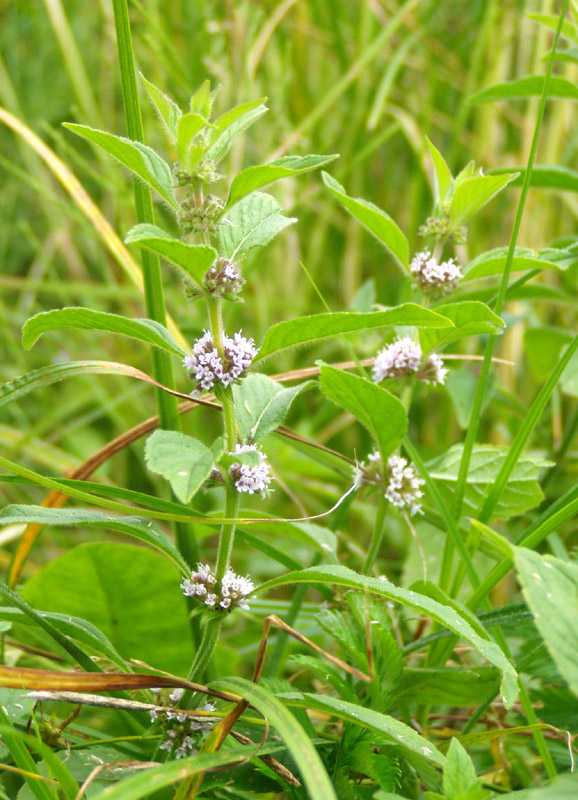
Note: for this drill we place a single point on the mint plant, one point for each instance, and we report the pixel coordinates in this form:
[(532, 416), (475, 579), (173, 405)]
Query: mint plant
[(377, 655)]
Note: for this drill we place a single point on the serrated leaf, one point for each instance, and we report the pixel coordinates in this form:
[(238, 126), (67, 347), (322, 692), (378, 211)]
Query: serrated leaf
[(531, 86), (459, 774), (143, 529), (261, 405), (254, 178), (550, 587), (380, 412), (375, 220), (192, 259), (252, 222), (443, 176), (307, 330), (188, 127), (232, 124), (469, 317), (145, 330), (168, 111), (473, 193), (185, 462), (445, 615), (140, 159), (494, 261)]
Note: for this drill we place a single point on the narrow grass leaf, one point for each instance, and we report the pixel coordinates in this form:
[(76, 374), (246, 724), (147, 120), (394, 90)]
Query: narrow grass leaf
[(543, 176), (13, 740)]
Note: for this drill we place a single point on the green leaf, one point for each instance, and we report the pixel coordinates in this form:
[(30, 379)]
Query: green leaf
[(463, 686), (531, 86), (551, 21), (252, 222), (308, 330), (565, 787), (473, 193), (168, 111), (261, 405), (459, 772), (202, 100), (188, 127), (73, 627), (522, 491), (303, 752), (375, 220), (550, 587), (145, 330), (137, 157), (445, 615), (544, 177), (542, 347), (129, 593), (461, 385), (494, 261), (569, 379), (232, 124), (192, 259), (142, 529), (185, 462), (254, 178), (402, 734), (443, 176), (380, 412), (469, 317)]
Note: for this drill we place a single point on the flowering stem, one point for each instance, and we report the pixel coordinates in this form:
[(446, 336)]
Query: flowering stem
[(377, 536), (218, 336), (227, 534)]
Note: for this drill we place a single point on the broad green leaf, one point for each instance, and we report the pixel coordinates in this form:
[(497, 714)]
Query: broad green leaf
[(494, 261), (521, 493), (188, 127), (542, 347), (233, 124), (445, 615), (569, 31), (443, 176), (531, 86), (380, 412), (261, 405), (168, 111), (142, 529), (304, 754), (137, 157), (145, 330), (192, 259), (375, 220), (73, 627), (461, 385), (308, 330), (469, 317), (473, 193), (185, 462), (252, 222), (544, 177), (565, 787), (569, 379), (402, 734), (129, 593), (550, 587), (254, 178), (459, 772), (460, 686)]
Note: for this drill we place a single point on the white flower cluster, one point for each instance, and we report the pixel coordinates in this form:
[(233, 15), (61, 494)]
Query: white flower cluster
[(233, 591), (403, 484), (185, 732), (403, 357), (251, 479), (206, 365), (433, 276)]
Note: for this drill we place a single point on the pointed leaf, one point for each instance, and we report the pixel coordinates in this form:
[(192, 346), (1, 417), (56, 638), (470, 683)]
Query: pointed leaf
[(188, 127), (470, 318), (308, 330), (185, 462), (145, 330), (374, 219), (192, 259), (202, 100), (233, 124), (380, 412), (459, 771), (168, 111), (494, 261), (545, 177), (531, 86), (473, 193), (445, 615), (143, 161), (443, 176), (261, 405), (143, 529), (252, 222), (255, 177)]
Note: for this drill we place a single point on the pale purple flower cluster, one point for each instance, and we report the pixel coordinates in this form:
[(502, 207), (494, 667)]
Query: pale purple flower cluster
[(185, 732), (251, 479), (403, 484), (223, 279), (233, 591), (433, 276), (402, 358), (206, 365)]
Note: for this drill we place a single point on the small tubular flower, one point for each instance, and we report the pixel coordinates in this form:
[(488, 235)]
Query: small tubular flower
[(403, 357), (434, 277), (207, 367), (251, 479), (235, 590), (403, 485)]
